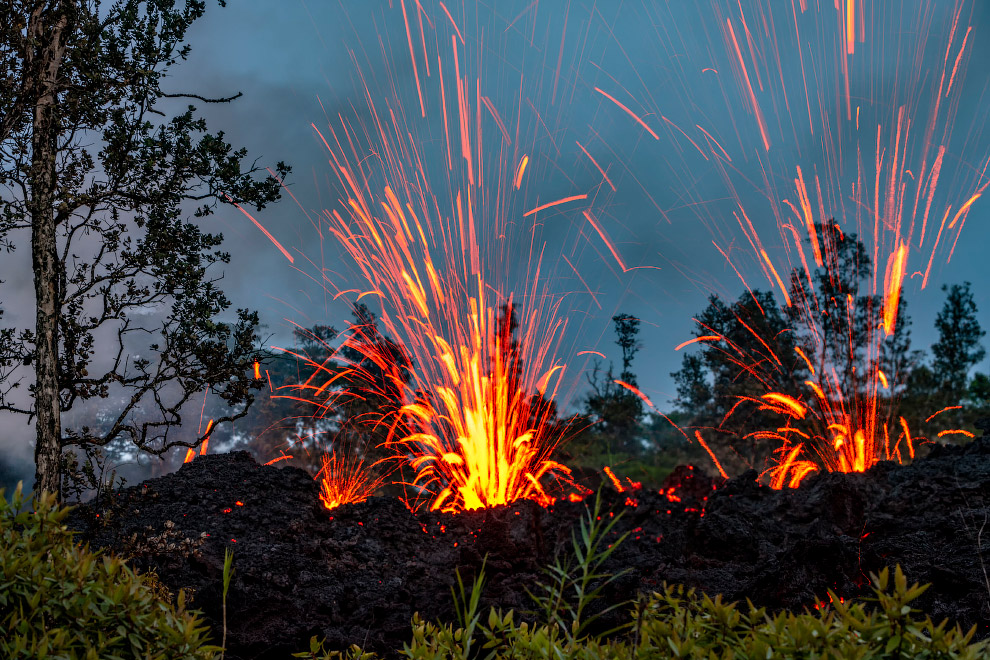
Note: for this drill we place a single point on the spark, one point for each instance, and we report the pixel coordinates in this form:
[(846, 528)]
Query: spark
[(346, 479), (963, 209), (572, 198), (711, 454), (943, 410), (635, 390), (754, 104), (257, 224), (517, 180), (606, 240), (793, 407), (597, 166), (962, 432), (895, 277), (697, 339), (629, 112)]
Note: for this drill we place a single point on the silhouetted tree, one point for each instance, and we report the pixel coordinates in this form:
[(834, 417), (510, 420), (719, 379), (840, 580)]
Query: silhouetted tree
[(753, 354), (945, 385), (626, 329), (96, 180), (694, 392), (615, 411), (958, 348), (10, 358), (373, 388), (331, 391), (979, 395)]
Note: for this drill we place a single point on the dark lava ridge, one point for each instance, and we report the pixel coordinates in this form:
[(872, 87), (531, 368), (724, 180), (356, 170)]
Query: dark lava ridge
[(358, 573)]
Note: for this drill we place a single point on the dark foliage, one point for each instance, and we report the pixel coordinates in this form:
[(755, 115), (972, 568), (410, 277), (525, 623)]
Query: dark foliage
[(614, 410), (99, 182)]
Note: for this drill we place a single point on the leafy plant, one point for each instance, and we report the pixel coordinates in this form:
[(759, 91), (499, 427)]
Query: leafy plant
[(60, 600), (689, 626), (576, 581), (466, 606), (228, 572), (678, 623)]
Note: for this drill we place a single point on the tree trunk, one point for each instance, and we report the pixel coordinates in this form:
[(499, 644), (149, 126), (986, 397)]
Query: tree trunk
[(47, 53)]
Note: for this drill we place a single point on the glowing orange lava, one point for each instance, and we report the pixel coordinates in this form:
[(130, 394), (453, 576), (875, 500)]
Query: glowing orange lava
[(346, 479), (474, 424), (475, 439), (191, 453), (837, 212)]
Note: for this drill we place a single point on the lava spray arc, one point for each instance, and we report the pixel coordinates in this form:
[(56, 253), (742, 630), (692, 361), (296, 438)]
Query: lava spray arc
[(474, 421), (847, 171), (346, 479)]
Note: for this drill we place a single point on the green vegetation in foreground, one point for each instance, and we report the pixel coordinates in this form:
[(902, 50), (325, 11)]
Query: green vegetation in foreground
[(677, 623), (60, 600)]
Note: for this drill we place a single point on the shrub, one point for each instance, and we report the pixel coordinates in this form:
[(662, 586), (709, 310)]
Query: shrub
[(60, 600), (681, 624)]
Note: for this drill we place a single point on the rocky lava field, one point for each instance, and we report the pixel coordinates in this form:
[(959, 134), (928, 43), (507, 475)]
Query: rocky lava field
[(358, 573)]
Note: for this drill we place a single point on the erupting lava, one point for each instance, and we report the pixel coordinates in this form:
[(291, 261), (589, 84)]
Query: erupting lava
[(882, 186), (345, 479), (473, 418), (834, 156), (468, 426)]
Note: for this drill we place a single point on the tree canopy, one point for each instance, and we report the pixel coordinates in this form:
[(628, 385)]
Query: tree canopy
[(825, 348), (958, 348), (99, 185)]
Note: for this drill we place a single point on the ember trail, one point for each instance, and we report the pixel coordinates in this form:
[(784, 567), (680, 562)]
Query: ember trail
[(471, 413), (846, 177)]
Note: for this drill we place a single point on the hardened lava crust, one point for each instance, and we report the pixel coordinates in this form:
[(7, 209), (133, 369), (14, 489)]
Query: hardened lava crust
[(356, 574)]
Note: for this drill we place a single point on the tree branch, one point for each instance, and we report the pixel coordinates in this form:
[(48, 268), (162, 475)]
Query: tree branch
[(226, 99)]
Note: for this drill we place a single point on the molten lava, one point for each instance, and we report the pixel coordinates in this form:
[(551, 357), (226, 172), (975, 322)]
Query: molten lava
[(474, 418), (475, 438), (346, 479)]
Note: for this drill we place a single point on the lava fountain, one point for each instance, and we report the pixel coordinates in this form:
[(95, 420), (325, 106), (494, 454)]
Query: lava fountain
[(346, 479), (474, 418), (883, 172), (845, 171)]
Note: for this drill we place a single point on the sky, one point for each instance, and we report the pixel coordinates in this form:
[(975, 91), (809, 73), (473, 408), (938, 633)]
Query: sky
[(670, 203), (683, 123)]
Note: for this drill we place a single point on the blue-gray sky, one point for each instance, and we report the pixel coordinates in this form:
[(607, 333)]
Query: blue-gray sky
[(671, 64)]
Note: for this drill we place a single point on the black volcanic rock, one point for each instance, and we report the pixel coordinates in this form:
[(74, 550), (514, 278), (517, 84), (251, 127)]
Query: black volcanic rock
[(356, 574)]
